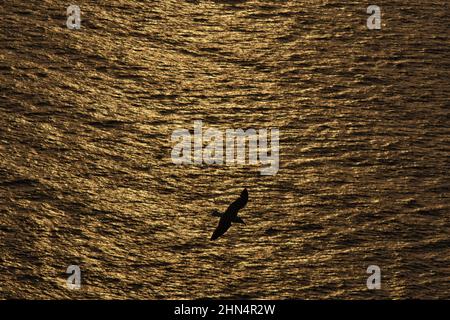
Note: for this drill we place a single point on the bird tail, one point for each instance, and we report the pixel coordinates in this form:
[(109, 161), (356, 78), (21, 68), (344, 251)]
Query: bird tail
[(216, 213), (238, 220)]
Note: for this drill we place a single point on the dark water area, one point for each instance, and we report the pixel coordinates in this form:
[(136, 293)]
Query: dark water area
[(86, 176)]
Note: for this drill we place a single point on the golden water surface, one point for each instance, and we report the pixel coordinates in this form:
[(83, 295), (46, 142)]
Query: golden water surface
[(86, 176)]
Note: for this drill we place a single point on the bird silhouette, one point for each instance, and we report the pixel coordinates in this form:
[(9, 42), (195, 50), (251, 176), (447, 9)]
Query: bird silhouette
[(230, 215)]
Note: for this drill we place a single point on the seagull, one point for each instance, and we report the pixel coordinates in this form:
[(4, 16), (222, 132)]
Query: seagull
[(230, 215)]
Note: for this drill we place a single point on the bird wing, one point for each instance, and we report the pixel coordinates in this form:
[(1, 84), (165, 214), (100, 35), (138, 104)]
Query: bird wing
[(222, 227), (238, 204)]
